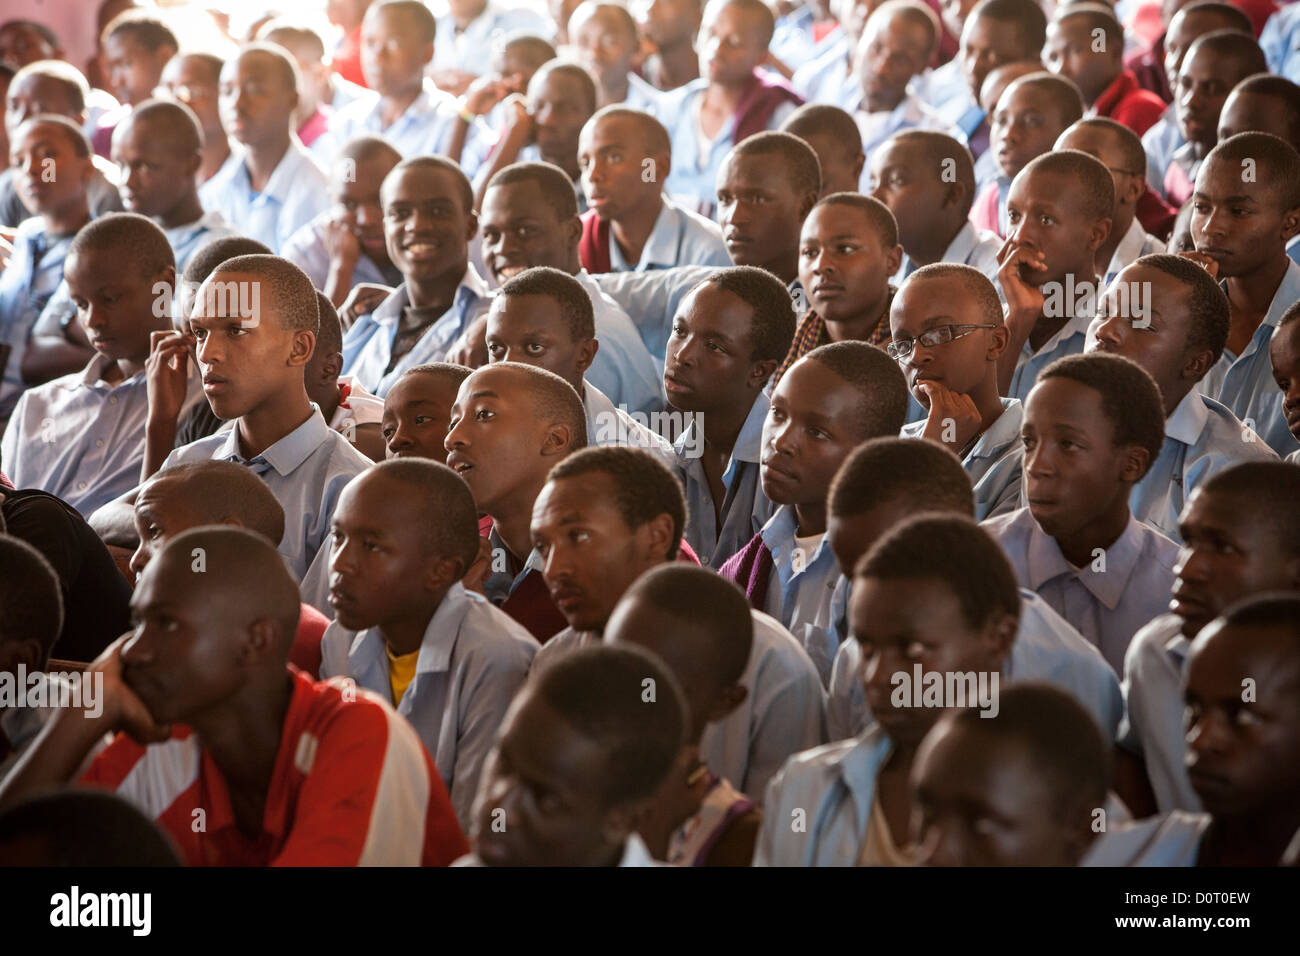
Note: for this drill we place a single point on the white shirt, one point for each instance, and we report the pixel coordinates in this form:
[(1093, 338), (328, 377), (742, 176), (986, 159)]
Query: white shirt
[(297, 192)]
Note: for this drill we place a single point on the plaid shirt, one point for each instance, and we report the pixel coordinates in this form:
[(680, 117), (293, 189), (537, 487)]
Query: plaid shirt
[(812, 333)]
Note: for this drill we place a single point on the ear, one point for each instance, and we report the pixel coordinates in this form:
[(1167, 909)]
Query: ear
[(893, 259), (1098, 233), (1001, 339), (471, 226), (332, 367), (859, 164), (955, 197), (304, 342), (1000, 635), (442, 573), (587, 354), (728, 699), (167, 275), (558, 440), (260, 640), (1197, 364), (663, 166), (573, 231), (426, 56), (805, 207), (620, 820), (1136, 187), (26, 651), (760, 372), (658, 533), (1134, 463), (1291, 222)]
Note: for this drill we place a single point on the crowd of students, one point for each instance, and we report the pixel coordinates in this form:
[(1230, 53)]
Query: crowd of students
[(728, 433)]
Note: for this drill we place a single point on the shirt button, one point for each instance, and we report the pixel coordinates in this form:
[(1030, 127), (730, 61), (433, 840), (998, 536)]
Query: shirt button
[(112, 400), (81, 486), (99, 443)]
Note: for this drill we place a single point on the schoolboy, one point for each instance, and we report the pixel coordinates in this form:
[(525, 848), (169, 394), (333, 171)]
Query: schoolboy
[(417, 410), (835, 138), (604, 36)]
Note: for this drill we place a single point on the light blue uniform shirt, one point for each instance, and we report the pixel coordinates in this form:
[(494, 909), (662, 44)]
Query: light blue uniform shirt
[(424, 128), (296, 193), (28, 283), (995, 462), (650, 300), (1244, 383), (1137, 242), (986, 171), (608, 424), (307, 250), (827, 77), (1154, 725), (306, 470), (1170, 840), (745, 509), (973, 247), (472, 660), (500, 583), (1280, 41), (831, 789), (693, 180), (471, 49), (793, 42), (1161, 141), (80, 438), (801, 587), (1068, 340), (680, 237), (946, 91), (624, 368), (368, 344), (911, 113), (1046, 649), (1107, 601), (190, 238), (1201, 439), (642, 95)]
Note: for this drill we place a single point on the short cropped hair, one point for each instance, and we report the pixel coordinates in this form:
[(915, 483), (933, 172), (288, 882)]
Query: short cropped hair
[(1135, 156), (597, 691), (452, 374), (653, 133), (555, 185), (1130, 398), (70, 130), (1062, 90), (571, 69), (293, 32), (285, 64), (1276, 610), (643, 486), (426, 27), (1234, 45), (879, 216), (938, 148), (1100, 17), (1235, 16), (757, 7), (1026, 17), (216, 251), (330, 337), (362, 149), (439, 164), (539, 49), (817, 119), (441, 503), (879, 382), (1207, 305), (975, 285), (284, 287), (1285, 93), (1276, 162), (1095, 184), (179, 127), (803, 169), (616, 10), (218, 491), (150, 252), (1270, 488), (40, 29), (918, 14), (901, 471), (144, 27), (553, 399), (86, 828), (954, 550), (567, 292), (73, 80), (31, 598), (767, 296)]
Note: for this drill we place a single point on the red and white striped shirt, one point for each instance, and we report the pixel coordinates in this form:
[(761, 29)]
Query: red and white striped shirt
[(352, 786)]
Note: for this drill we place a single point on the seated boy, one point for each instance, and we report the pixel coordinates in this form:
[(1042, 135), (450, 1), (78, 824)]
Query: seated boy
[(631, 511), (882, 484), (529, 218), (699, 626), (1020, 789), (135, 46), (948, 335), (158, 148), (51, 163), (218, 493), (404, 534), (428, 222), (1086, 44), (995, 84), (417, 410), (834, 137), (403, 106), (320, 91), (543, 317), (509, 425), (1176, 334), (630, 225), (1058, 213), (271, 187), (728, 336), (1093, 426), (896, 45), (467, 29), (369, 795), (81, 437), (933, 596), (195, 80), (344, 403), (1028, 118), (1284, 357), (927, 180), (1241, 226), (345, 246), (1242, 749), (848, 249), (668, 31), (1213, 65), (831, 400), (1241, 538), (731, 101), (579, 735), (605, 39), (1120, 151), (256, 322), (828, 78)]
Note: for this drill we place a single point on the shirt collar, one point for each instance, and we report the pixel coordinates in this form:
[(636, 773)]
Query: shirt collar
[(439, 635), (636, 853), (859, 766), (1004, 430), (1120, 87), (661, 247), (1129, 248), (1046, 562), (471, 288), (286, 174), (779, 536), (93, 373), (1077, 325), (963, 244), (1188, 419), (287, 453), (749, 443)]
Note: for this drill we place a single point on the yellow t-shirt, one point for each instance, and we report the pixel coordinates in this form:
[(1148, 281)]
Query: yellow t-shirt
[(401, 671)]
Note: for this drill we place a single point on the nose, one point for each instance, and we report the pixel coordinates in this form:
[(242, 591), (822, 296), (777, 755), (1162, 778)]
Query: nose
[(399, 441), (93, 317), (140, 559), (456, 437), (781, 438), (1211, 225), (207, 351), (938, 846), (342, 557), (1109, 329), (1207, 734), (1189, 566)]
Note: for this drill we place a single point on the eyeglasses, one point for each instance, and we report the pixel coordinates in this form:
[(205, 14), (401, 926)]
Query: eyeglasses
[(940, 335)]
